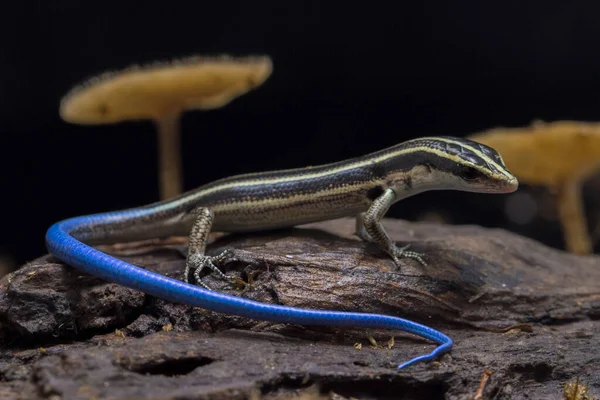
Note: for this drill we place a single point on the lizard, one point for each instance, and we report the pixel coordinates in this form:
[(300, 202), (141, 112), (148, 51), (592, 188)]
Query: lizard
[(364, 187)]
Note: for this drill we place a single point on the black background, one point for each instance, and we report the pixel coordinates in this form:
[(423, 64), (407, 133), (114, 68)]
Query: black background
[(348, 79)]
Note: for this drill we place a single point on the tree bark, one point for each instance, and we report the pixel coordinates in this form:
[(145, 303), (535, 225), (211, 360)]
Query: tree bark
[(527, 313)]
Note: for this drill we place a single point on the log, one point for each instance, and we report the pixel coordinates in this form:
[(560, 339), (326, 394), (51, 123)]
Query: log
[(526, 313)]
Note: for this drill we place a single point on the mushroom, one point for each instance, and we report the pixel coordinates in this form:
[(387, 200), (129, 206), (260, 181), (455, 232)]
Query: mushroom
[(161, 92), (559, 155)]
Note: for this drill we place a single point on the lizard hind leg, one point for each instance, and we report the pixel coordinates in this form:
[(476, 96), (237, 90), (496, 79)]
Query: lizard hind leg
[(360, 229), (196, 259)]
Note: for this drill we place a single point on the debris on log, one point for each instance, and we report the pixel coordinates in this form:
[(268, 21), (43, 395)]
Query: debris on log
[(522, 314)]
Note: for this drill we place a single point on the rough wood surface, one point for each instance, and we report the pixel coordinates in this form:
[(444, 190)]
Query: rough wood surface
[(525, 312)]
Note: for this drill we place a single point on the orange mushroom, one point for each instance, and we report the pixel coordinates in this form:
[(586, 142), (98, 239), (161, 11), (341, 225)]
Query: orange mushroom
[(161, 92), (559, 155)]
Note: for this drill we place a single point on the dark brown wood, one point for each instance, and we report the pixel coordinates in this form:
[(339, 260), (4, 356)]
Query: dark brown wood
[(527, 313)]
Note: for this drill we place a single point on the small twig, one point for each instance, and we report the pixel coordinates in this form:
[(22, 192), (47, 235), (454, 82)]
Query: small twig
[(506, 329), (482, 383)]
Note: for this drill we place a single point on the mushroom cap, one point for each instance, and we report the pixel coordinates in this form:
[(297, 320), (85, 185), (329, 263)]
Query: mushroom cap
[(160, 89), (547, 153)]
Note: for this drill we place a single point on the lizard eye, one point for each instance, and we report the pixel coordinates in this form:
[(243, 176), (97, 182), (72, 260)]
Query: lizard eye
[(469, 173)]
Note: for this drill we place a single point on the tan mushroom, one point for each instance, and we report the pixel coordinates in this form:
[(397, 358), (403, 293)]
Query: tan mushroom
[(559, 155), (161, 92)]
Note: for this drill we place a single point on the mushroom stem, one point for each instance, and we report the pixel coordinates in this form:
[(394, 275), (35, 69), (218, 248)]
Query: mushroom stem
[(169, 155), (572, 219)]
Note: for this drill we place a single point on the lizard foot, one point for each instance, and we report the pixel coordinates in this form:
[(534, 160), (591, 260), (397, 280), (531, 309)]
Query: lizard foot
[(401, 252), (197, 263)]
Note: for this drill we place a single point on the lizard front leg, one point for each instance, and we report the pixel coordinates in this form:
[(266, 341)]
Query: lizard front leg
[(369, 228), (196, 260)]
